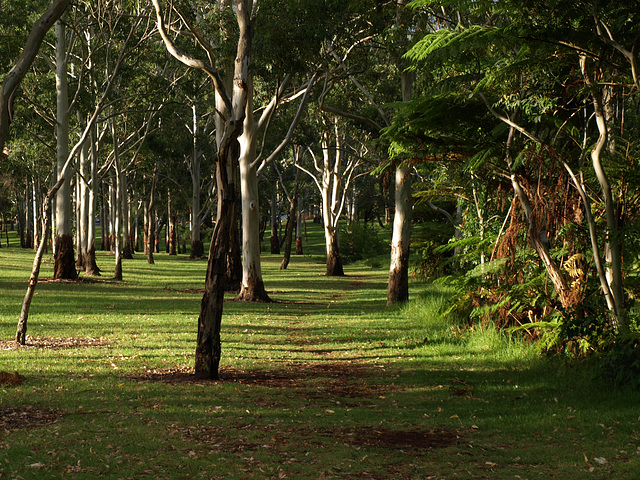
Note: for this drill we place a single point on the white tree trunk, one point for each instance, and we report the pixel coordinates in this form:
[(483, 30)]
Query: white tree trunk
[(252, 287), (398, 286), (64, 267)]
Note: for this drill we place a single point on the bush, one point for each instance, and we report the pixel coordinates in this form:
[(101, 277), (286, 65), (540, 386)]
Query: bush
[(362, 242), (619, 363)]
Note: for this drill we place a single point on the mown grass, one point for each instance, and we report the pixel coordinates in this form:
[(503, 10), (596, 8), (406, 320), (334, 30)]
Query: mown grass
[(327, 382)]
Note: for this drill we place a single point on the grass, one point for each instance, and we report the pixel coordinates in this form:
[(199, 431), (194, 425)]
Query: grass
[(325, 383)]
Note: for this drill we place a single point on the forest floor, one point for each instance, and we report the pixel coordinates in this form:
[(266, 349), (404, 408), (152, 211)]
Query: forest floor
[(325, 382)]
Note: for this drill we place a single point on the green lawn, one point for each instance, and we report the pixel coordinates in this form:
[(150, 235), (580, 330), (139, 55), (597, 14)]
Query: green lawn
[(326, 382)]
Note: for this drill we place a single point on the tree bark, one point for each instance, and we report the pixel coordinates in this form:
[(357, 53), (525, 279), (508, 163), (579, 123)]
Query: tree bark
[(299, 222), (292, 222), (334, 260), (398, 287), (233, 281), (172, 237), (208, 345), (151, 227), (252, 288), (64, 264), (613, 244), (21, 330)]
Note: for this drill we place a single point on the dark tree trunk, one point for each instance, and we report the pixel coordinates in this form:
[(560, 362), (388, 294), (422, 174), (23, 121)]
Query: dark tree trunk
[(208, 346), (291, 227), (64, 264), (127, 249), (90, 265), (173, 239), (233, 281), (274, 239), (197, 249), (334, 260)]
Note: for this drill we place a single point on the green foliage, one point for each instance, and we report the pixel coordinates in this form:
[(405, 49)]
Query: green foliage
[(619, 362), (362, 241)]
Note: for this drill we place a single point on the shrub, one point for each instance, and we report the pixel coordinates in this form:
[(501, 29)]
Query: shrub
[(362, 241)]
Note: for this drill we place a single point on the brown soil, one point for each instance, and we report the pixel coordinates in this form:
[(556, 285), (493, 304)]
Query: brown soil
[(11, 379), (12, 418), (53, 343)]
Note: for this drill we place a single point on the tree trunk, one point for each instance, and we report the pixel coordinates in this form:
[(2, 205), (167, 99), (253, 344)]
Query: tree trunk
[(274, 239), (398, 287), (197, 247), (127, 246), (291, 224), (299, 221), (104, 230), (208, 345), (21, 330), (150, 224), (233, 281), (171, 228), (613, 245), (334, 260), (64, 264), (252, 289)]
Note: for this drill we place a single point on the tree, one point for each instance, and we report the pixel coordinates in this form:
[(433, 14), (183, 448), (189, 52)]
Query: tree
[(64, 266), (521, 79), (208, 348), (333, 178), (62, 175)]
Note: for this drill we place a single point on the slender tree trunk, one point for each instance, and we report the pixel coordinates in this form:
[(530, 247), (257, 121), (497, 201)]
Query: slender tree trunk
[(274, 239), (36, 230), (125, 201), (233, 281), (197, 247), (291, 224), (299, 221), (208, 349), (151, 227), (83, 202), (21, 330), (171, 227), (104, 218), (613, 244)]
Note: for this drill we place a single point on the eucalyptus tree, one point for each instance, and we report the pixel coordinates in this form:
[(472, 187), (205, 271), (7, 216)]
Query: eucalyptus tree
[(208, 348), (333, 177), (380, 32), (64, 264), (293, 215), (61, 176)]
